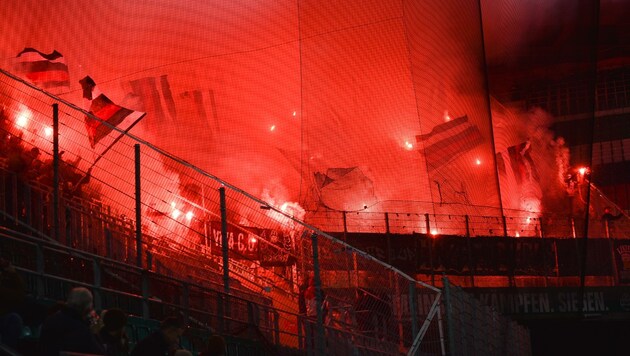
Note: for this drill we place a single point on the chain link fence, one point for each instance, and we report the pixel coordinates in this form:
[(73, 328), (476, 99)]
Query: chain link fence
[(132, 201)]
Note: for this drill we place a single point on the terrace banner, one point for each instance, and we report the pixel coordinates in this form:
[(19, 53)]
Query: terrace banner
[(242, 242), (270, 247), (545, 301), (622, 260)]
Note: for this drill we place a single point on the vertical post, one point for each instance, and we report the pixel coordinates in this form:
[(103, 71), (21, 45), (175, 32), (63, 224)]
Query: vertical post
[(572, 220), (389, 239), (354, 254), (56, 171), (430, 237), (39, 263), (138, 209), (319, 344), (441, 331), (412, 309), (98, 300), (145, 293), (471, 266), (504, 221), (224, 241), (450, 327), (486, 83), (186, 301)]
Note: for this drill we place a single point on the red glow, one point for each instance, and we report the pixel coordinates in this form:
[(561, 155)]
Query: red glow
[(583, 170), (23, 117), (273, 127), (478, 162)]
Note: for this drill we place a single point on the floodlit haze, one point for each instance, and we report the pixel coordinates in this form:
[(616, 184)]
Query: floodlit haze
[(269, 95)]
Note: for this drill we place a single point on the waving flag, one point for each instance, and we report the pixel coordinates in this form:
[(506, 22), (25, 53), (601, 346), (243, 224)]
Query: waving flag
[(156, 97), (44, 70), (107, 116), (519, 161), (449, 140)]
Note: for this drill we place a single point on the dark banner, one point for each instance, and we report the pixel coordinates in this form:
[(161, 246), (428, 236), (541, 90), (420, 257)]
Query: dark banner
[(242, 242), (541, 301), (622, 260), (270, 247), (277, 248)]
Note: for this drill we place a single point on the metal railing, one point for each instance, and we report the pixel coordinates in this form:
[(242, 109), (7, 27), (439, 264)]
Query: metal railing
[(516, 224)]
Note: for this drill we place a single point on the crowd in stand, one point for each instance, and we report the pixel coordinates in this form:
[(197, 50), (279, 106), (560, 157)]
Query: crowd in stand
[(75, 327), (29, 165)]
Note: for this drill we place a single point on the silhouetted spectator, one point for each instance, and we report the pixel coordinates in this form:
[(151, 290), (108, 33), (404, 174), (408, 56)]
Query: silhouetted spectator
[(69, 329), (216, 347), (113, 334), (608, 219), (12, 293), (16, 161), (163, 341)]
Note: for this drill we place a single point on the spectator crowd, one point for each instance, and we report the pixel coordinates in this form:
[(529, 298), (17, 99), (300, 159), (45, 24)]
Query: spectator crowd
[(74, 327)]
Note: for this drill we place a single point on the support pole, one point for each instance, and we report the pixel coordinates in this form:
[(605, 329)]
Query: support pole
[(224, 242), (56, 171), (319, 344), (430, 238), (138, 208), (471, 265)]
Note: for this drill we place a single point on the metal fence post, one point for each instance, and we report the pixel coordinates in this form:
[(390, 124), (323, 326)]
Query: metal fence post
[(56, 171), (471, 268), (449, 317), (427, 224), (224, 242), (138, 208), (412, 309), (186, 300), (41, 285), (145, 293), (319, 344), (389, 239), (98, 300)]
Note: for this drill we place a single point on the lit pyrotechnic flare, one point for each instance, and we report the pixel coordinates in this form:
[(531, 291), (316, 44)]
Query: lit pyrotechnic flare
[(272, 128), (408, 145), (23, 116), (583, 172)]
